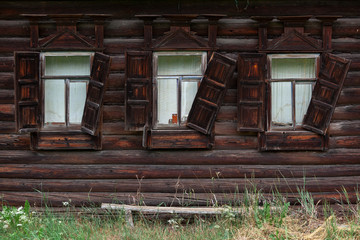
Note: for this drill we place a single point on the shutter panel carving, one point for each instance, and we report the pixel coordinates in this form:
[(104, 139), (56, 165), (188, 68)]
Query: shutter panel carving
[(326, 93), (138, 89), (27, 80), (251, 92), (95, 93), (211, 93)]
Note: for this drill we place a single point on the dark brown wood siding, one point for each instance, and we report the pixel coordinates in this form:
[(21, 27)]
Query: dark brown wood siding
[(124, 171)]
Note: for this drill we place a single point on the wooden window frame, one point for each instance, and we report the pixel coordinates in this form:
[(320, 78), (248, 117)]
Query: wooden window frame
[(67, 78), (293, 138), (198, 78), (293, 81)]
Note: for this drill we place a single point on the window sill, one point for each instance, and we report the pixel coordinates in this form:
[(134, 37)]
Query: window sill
[(65, 140), (183, 138), (292, 141), (62, 129)]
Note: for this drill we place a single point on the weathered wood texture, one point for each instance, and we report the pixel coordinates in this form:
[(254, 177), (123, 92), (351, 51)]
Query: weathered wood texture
[(124, 171), (56, 199)]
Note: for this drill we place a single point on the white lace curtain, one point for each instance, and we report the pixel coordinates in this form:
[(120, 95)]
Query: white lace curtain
[(282, 92), (55, 93)]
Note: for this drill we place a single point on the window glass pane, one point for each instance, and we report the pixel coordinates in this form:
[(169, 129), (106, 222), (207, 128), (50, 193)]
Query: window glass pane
[(167, 107), (55, 101), (281, 108), (303, 93), (282, 68), (67, 65), (77, 97), (179, 65), (188, 92)]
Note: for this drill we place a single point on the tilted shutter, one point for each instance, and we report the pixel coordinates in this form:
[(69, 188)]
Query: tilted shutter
[(27, 79), (326, 93), (211, 93), (138, 89), (95, 93), (251, 92)]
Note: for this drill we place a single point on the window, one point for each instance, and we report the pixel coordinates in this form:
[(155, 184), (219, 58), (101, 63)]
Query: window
[(61, 105), (65, 78), (177, 77), (292, 78)]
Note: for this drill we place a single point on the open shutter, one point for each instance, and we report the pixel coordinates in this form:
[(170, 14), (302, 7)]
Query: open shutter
[(95, 94), (138, 89), (211, 93), (251, 92), (326, 93), (27, 80)]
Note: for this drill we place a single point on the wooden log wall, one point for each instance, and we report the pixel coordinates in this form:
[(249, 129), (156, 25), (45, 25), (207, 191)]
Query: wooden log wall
[(124, 172)]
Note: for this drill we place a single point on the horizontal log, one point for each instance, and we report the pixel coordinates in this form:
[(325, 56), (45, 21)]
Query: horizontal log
[(112, 171), (344, 142), (126, 142), (56, 199), (124, 28), (128, 9), (355, 60), (14, 141), (352, 79), (117, 128), (6, 63), (10, 45), (7, 127), (345, 44), (226, 128), (343, 27), (237, 45), (113, 113), (118, 46), (7, 96), (6, 81), (215, 185), (236, 142), (116, 81), (227, 113), (114, 97), (351, 112), (170, 139), (7, 112), (117, 63), (230, 97), (18, 28), (345, 128), (213, 157), (349, 96)]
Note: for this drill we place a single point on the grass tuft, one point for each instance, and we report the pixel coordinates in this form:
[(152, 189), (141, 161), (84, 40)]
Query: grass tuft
[(253, 217)]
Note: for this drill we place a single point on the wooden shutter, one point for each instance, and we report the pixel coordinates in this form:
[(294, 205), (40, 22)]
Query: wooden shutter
[(211, 93), (27, 81), (251, 92), (326, 93), (95, 93), (138, 89)]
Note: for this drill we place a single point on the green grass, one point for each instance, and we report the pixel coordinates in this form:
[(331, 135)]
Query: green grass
[(255, 217)]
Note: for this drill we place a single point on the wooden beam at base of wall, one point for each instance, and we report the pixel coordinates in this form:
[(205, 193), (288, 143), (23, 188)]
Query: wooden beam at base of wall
[(192, 185), (56, 199), (213, 157)]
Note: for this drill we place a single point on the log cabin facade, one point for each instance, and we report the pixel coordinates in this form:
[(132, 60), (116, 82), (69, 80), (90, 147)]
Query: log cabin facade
[(178, 103)]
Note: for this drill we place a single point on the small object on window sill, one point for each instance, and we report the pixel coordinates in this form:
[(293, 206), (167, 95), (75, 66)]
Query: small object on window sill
[(174, 118)]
